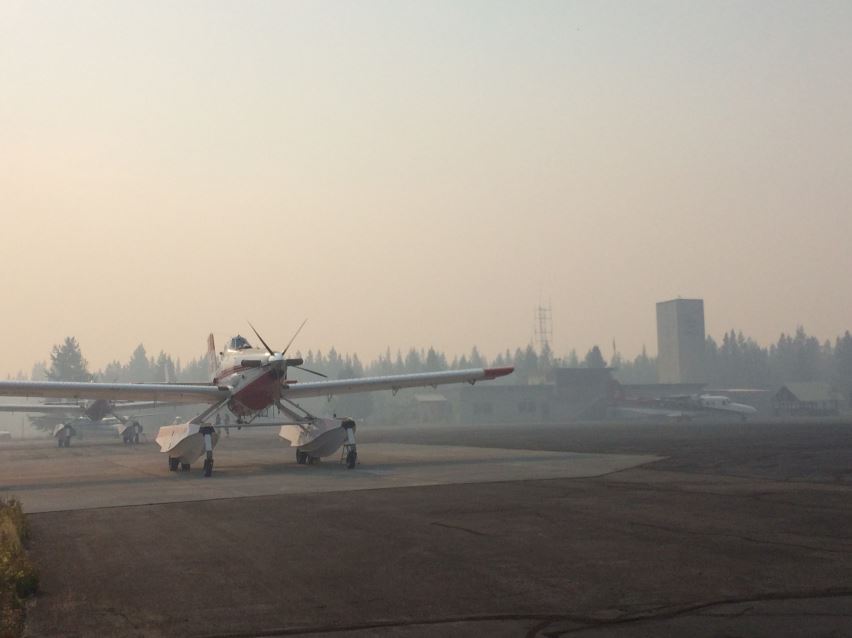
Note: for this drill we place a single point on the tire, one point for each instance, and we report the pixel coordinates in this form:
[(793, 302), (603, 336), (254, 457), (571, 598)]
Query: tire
[(208, 467), (351, 460), (173, 464), (185, 467)]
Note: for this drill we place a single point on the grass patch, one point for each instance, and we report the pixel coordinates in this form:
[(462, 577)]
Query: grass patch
[(18, 577)]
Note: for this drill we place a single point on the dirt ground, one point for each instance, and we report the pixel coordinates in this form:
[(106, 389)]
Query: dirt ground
[(743, 530)]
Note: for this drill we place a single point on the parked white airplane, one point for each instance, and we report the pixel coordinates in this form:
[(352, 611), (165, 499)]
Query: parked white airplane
[(684, 407), (724, 404), (247, 381), (73, 415)]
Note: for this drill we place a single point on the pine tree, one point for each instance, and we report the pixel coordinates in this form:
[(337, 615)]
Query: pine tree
[(67, 363), (39, 371), (594, 358), (139, 367)]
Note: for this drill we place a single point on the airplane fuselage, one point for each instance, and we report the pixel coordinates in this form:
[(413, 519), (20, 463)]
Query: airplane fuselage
[(255, 386), (98, 409), (724, 404)]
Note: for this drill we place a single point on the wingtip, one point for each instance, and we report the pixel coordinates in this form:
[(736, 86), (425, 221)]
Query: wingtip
[(493, 373)]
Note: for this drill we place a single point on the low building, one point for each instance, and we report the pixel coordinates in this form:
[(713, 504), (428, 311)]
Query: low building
[(506, 403), (578, 394), (806, 399), (432, 408)]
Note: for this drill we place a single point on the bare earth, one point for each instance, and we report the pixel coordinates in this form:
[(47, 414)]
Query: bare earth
[(741, 530)]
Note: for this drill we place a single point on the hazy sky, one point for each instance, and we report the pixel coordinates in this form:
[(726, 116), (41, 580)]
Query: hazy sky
[(419, 173)]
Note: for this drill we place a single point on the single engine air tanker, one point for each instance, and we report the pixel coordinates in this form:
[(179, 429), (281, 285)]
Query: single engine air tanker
[(247, 381), (69, 416)]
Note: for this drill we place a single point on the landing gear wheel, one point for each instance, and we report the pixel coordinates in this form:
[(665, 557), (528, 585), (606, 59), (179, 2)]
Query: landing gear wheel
[(312, 460), (351, 459), (60, 442), (208, 467), (136, 438), (185, 467), (173, 464), (301, 457), (125, 439)]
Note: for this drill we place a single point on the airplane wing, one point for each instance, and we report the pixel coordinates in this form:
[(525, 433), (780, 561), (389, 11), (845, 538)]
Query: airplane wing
[(653, 412), (42, 408), (160, 392), (135, 406), (392, 382), (195, 393)]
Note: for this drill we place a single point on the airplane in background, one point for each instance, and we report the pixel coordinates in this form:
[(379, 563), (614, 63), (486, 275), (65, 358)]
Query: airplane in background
[(684, 407), (247, 381), (74, 415)]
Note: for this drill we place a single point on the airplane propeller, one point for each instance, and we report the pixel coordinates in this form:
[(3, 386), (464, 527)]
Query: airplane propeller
[(319, 374), (279, 357), (265, 345)]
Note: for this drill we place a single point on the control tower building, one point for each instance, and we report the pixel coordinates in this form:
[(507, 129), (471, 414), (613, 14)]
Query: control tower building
[(680, 341)]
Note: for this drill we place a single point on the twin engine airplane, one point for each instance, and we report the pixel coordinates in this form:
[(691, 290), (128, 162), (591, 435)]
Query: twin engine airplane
[(686, 406), (247, 381)]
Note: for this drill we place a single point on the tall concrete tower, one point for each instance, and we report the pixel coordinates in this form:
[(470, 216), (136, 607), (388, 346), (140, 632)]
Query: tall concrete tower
[(680, 341)]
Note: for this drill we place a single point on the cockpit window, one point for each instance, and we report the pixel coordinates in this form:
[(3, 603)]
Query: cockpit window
[(239, 343)]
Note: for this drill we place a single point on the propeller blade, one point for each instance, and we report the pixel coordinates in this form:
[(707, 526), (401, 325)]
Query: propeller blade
[(268, 349), (284, 351), (319, 374)]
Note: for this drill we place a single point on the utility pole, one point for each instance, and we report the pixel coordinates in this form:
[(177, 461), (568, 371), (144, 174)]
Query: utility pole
[(543, 327)]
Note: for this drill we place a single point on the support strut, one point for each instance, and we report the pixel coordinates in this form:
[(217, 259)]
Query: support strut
[(207, 433), (349, 455)]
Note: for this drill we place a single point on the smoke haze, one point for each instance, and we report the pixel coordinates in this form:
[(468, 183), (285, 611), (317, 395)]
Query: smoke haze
[(416, 174)]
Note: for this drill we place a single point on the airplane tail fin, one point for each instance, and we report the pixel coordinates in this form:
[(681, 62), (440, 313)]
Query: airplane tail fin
[(212, 357)]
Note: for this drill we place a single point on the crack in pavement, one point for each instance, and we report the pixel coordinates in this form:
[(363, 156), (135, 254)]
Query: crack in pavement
[(685, 610), (749, 539), (381, 624), (459, 527), (544, 621)]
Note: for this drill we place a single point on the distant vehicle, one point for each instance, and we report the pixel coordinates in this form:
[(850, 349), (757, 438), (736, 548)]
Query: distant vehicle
[(247, 381), (5, 436), (685, 407)]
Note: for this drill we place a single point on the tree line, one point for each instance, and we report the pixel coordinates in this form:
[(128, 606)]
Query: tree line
[(736, 361)]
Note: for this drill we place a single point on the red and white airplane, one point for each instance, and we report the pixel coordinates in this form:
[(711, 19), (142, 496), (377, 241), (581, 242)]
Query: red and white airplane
[(247, 381)]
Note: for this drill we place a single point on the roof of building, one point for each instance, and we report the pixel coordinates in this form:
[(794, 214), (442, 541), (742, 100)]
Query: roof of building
[(679, 299), (813, 392)]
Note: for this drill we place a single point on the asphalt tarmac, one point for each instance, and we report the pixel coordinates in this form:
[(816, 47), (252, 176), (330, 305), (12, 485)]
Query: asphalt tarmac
[(693, 529)]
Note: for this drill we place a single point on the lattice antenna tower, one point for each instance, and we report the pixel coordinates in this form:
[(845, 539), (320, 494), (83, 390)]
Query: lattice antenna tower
[(543, 327)]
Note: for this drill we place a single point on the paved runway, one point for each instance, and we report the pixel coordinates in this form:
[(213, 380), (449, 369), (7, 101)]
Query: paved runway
[(101, 474), (737, 531)]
